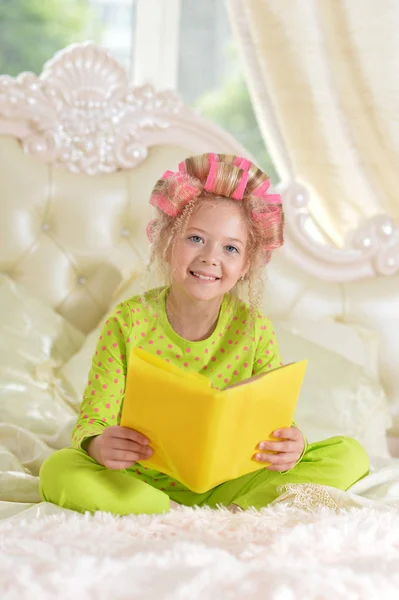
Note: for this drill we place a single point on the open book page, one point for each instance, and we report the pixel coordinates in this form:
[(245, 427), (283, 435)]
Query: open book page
[(255, 377)]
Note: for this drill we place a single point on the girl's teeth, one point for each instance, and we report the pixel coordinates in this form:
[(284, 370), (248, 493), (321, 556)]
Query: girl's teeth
[(204, 277)]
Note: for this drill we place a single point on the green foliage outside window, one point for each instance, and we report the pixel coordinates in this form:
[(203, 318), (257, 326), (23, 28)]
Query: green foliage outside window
[(230, 107), (31, 31)]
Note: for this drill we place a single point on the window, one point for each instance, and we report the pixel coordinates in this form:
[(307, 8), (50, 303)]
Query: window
[(210, 77), (31, 31), (182, 43)]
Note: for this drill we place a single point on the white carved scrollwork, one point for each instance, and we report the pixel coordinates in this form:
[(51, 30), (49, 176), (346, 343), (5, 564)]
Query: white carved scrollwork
[(82, 113), (378, 238), (372, 249)]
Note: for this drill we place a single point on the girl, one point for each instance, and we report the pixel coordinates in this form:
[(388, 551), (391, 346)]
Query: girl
[(216, 226)]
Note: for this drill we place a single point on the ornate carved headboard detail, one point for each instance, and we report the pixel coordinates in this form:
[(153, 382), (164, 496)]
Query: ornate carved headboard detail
[(80, 148), (82, 113), (373, 249)]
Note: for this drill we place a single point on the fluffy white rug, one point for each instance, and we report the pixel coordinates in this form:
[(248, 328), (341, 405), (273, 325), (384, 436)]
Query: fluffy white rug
[(281, 553)]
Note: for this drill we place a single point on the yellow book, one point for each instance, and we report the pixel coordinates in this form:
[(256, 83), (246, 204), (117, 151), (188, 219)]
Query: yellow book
[(202, 436)]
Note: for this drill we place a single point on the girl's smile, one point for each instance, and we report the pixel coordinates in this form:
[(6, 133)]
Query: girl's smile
[(204, 276)]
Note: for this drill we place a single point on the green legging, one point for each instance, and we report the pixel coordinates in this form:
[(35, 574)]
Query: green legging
[(72, 479)]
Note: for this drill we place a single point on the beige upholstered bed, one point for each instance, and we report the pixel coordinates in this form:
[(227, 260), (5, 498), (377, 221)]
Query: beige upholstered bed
[(79, 151)]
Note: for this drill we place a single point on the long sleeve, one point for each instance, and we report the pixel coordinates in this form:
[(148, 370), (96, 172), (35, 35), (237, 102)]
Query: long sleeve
[(103, 395)]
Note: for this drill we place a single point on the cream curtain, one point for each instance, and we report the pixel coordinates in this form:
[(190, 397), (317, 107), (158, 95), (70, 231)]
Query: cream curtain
[(324, 80)]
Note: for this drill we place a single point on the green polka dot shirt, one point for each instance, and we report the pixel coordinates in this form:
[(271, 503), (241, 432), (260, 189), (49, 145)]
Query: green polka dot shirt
[(239, 347)]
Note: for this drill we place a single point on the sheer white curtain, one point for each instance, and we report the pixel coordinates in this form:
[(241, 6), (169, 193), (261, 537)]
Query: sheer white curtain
[(323, 77)]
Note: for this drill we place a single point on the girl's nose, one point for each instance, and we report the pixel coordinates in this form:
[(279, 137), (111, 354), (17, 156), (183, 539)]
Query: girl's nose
[(212, 261), (210, 258)]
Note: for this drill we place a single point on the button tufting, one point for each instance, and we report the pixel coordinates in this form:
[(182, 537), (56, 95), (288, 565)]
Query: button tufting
[(81, 280), (45, 227), (125, 232)]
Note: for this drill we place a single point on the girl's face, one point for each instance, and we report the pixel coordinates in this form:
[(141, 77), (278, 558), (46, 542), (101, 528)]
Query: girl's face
[(210, 256)]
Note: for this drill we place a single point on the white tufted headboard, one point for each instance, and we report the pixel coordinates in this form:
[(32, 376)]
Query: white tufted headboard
[(80, 149)]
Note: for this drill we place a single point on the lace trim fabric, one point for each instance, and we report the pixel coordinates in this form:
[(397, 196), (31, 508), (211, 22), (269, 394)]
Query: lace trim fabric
[(308, 496)]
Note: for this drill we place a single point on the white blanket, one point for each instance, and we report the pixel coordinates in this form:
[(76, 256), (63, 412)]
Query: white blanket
[(280, 553)]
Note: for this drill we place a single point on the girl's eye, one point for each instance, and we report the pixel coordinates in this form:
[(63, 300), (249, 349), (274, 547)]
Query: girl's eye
[(231, 249), (195, 238)]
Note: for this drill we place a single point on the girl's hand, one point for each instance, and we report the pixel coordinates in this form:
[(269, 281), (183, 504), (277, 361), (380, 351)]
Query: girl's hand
[(119, 447), (288, 451)]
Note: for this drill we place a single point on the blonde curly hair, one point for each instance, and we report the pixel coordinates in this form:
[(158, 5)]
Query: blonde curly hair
[(217, 177)]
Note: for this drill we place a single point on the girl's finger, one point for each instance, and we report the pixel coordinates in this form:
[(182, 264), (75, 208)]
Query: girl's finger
[(277, 459), (278, 446), (289, 433), (284, 459), (129, 434), (128, 445), (122, 456)]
